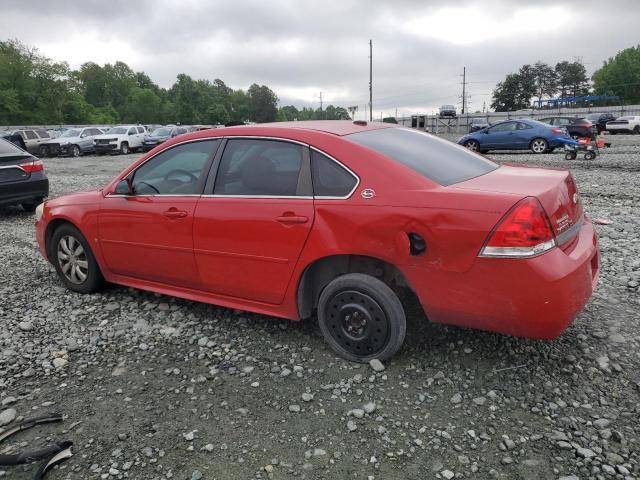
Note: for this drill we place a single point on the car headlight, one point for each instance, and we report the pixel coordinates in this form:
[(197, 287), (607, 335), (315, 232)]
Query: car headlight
[(39, 211)]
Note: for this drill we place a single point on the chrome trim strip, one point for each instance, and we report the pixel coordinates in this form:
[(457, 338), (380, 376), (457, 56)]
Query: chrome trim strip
[(572, 232), (285, 197), (343, 166), (118, 195), (7, 167)]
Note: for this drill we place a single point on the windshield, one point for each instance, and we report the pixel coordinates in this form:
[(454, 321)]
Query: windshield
[(118, 130), (70, 133), (440, 160), (478, 120), (161, 132)]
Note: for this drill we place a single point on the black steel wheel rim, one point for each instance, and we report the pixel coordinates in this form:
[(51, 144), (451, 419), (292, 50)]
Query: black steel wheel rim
[(357, 323)]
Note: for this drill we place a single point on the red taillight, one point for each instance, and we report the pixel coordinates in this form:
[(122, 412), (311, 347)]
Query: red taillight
[(31, 167), (558, 131), (525, 231)]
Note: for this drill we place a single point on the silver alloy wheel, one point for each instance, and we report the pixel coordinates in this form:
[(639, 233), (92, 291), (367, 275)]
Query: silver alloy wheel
[(539, 145), (73, 259), (75, 151), (472, 145), (124, 148)]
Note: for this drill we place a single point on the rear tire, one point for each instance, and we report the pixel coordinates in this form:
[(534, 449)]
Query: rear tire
[(539, 145), (361, 318), (74, 261), (124, 148), (31, 206)]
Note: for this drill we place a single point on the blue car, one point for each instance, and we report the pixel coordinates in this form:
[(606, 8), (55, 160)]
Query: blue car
[(521, 134), (160, 135)]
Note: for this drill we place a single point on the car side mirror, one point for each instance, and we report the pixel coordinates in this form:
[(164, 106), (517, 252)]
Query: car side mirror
[(124, 187)]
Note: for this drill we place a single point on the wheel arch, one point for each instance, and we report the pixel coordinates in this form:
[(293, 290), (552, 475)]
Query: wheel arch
[(317, 275)]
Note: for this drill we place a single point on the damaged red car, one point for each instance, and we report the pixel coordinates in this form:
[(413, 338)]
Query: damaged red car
[(332, 219)]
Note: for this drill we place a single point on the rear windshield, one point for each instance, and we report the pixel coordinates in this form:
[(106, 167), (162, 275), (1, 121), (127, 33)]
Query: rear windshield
[(10, 151), (437, 159)]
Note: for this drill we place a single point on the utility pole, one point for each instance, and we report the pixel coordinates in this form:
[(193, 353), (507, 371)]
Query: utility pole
[(370, 81), (321, 101), (464, 88)]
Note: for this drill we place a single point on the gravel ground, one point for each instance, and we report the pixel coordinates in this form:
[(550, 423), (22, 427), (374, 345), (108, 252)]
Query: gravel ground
[(155, 387)]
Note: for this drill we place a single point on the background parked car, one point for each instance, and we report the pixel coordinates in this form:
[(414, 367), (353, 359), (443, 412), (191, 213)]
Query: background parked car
[(14, 138), (478, 124), (447, 111), (577, 127), (523, 134), (600, 120), (32, 138), (161, 134), (122, 139), (74, 142), (626, 124), (22, 177)]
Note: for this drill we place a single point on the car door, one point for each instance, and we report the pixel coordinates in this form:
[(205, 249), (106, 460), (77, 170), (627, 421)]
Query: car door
[(140, 135), (147, 233), (523, 135), (250, 228), (500, 135), (86, 140), (31, 140)]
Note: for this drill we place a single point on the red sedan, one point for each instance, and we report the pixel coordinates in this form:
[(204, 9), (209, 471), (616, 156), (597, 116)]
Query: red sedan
[(334, 217)]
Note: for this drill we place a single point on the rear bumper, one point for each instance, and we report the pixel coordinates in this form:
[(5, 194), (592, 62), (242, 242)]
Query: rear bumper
[(536, 298), (24, 191)]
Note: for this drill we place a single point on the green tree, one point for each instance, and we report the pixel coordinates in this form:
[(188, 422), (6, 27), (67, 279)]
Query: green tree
[(263, 103), (143, 106), (290, 112), (545, 79), (572, 79), (217, 114), (620, 75), (239, 106)]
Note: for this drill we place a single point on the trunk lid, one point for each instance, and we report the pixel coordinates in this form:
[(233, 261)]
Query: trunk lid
[(14, 167), (555, 189)]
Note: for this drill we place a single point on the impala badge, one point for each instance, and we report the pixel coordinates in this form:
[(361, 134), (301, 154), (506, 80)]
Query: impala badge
[(368, 193)]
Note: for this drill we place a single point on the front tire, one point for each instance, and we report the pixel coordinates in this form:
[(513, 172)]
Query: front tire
[(361, 318), (539, 145), (636, 130), (74, 261), (472, 145), (124, 148)]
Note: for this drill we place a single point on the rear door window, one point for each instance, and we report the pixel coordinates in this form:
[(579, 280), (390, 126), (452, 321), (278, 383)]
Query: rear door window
[(251, 167), (31, 135), (437, 159), (42, 133)]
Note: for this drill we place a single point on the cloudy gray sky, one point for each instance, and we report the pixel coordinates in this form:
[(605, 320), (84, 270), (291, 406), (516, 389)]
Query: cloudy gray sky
[(300, 48)]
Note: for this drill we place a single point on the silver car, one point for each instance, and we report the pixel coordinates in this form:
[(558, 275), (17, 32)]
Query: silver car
[(74, 142)]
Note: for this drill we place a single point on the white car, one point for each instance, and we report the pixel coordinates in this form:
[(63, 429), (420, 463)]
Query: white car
[(122, 139), (626, 124)]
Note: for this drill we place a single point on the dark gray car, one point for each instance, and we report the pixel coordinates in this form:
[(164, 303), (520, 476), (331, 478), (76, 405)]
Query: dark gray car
[(22, 177)]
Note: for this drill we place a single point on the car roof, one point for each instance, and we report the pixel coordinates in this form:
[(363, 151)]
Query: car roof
[(335, 127)]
